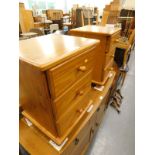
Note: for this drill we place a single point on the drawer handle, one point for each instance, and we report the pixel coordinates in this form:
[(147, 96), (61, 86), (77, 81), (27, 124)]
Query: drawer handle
[(92, 130), (117, 40), (80, 111), (106, 51), (76, 141), (86, 60), (112, 56), (98, 109), (110, 69), (97, 124), (80, 93), (82, 68)]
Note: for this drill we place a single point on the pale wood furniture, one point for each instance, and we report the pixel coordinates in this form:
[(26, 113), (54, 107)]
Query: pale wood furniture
[(53, 14), (56, 16), (111, 13), (38, 25), (25, 18), (55, 78), (115, 8), (104, 18), (105, 50), (35, 142)]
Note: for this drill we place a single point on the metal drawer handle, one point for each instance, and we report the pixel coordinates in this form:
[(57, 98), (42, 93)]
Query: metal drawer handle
[(82, 68), (76, 141)]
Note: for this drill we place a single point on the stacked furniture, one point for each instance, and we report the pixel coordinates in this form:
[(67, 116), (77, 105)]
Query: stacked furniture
[(127, 20), (28, 23), (111, 12), (55, 82), (56, 16), (60, 108), (25, 19), (35, 142), (81, 16), (115, 8), (105, 51)]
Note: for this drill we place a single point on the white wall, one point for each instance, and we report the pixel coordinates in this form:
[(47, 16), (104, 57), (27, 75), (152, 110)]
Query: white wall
[(129, 4)]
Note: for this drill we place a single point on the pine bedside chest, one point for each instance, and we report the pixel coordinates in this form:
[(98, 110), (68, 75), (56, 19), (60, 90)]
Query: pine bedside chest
[(105, 50), (55, 77)]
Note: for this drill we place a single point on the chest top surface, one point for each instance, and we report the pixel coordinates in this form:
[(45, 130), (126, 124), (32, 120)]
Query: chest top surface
[(47, 51), (100, 30)]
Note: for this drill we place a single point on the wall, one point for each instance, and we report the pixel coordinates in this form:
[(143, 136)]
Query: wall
[(129, 4), (66, 5)]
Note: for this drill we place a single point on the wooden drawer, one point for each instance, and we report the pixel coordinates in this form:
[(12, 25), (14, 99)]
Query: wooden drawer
[(73, 115), (108, 59), (107, 70), (96, 120), (73, 95), (110, 47), (93, 126), (106, 99), (80, 142), (115, 36), (99, 114), (101, 109), (65, 75)]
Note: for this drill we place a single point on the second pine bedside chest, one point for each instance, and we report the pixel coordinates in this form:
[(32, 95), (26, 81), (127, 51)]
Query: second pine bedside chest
[(105, 50)]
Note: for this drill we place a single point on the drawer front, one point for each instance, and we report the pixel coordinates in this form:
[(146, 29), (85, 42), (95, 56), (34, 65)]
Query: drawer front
[(74, 95), (66, 74), (108, 59), (97, 117), (110, 47), (115, 36), (72, 117), (101, 110), (80, 142), (99, 114), (106, 99), (93, 126), (107, 70)]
